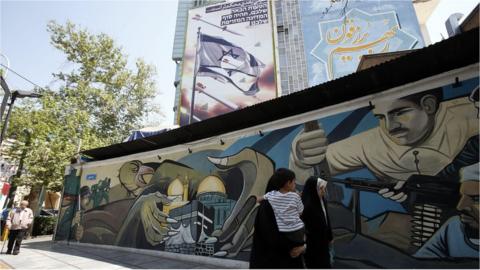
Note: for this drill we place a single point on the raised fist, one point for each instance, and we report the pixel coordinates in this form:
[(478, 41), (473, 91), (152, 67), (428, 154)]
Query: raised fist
[(309, 148)]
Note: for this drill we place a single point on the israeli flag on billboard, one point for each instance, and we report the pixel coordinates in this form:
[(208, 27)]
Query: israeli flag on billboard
[(224, 61), (229, 59)]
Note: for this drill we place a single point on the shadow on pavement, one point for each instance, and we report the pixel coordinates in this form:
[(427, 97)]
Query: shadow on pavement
[(98, 256)]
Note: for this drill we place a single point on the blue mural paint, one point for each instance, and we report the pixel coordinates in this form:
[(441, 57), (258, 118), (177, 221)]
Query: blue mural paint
[(279, 152), (452, 91), (199, 161)]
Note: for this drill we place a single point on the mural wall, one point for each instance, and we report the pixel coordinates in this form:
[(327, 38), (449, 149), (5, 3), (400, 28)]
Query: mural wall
[(337, 34), (404, 186)]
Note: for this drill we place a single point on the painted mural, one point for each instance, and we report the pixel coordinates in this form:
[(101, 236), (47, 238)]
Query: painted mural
[(337, 33), (404, 192)]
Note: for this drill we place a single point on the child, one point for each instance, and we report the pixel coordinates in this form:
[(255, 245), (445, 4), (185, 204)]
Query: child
[(287, 205)]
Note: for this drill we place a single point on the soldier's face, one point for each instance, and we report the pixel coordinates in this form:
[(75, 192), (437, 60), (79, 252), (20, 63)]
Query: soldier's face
[(403, 121), (468, 205)]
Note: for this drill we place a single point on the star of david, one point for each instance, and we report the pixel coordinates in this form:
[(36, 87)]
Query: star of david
[(229, 52)]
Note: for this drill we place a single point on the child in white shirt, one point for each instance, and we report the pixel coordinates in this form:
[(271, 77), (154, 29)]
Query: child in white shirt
[(287, 206)]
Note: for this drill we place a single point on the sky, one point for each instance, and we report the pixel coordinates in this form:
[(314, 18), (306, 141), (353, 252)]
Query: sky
[(436, 22), (142, 28)]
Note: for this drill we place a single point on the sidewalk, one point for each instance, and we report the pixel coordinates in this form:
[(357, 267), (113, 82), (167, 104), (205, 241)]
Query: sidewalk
[(41, 253)]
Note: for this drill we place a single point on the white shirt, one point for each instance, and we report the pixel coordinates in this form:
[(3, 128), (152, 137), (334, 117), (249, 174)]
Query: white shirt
[(287, 208), (19, 219)]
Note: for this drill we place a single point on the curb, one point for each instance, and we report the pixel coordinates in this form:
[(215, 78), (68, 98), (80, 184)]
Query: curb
[(223, 263)]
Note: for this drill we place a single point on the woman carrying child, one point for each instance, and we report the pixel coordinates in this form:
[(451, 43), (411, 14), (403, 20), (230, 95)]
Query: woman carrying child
[(278, 240)]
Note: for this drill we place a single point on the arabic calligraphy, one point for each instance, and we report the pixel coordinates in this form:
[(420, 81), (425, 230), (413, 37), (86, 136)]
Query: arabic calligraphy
[(344, 40), (387, 35)]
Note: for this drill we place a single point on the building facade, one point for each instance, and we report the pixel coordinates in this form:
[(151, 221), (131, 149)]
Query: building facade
[(291, 58), (292, 63)]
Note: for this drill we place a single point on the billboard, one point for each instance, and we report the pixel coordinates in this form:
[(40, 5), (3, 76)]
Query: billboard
[(229, 60), (338, 33)]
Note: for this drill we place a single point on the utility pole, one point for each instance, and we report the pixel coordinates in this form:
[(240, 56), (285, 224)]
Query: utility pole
[(13, 186), (15, 94), (6, 96)]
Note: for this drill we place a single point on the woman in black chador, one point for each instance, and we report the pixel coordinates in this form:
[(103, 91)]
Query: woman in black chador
[(317, 224)]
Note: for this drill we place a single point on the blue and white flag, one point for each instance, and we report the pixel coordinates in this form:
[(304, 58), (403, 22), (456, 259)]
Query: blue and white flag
[(222, 60)]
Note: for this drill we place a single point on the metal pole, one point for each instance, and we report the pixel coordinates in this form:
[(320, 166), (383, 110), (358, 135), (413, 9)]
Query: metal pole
[(8, 64), (7, 118), (192, 102), (13, 186), (6, 95)]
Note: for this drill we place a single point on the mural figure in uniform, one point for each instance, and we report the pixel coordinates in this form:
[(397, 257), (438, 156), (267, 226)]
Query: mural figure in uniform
[(68, 205), (422, 141), (78, 223), (417, 134), (458, 237), (99, 192)]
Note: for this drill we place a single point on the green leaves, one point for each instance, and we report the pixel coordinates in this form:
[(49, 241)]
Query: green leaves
[(97, 103)]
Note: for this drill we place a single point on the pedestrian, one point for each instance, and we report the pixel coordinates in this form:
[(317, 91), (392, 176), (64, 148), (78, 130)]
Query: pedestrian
[(18, 222), (317, 224), (272, 248), (3, 221)]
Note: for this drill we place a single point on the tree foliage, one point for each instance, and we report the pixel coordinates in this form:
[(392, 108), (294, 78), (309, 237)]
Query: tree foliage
[(97, 103)]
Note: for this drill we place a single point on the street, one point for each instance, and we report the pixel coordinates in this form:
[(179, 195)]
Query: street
[(42, 253)]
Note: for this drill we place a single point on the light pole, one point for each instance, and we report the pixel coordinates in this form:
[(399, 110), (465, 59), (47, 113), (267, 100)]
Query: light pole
[(6, 95), (13, 185), (15, 94)]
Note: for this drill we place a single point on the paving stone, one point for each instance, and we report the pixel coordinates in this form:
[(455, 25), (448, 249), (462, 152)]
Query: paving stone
[(45, 254)]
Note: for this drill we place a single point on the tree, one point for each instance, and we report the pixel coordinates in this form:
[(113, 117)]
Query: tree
[(115, 97), (97, 103)]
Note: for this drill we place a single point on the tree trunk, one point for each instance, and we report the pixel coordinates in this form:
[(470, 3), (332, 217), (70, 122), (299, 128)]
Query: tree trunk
[(52, 200), (34, 203)]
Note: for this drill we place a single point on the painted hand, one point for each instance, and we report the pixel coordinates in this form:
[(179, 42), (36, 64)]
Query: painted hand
[(237, 231), (155, 222), (395, 194), (309, 149)]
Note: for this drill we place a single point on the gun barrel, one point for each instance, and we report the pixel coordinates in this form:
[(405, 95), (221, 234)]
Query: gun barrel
[(363, 184)]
